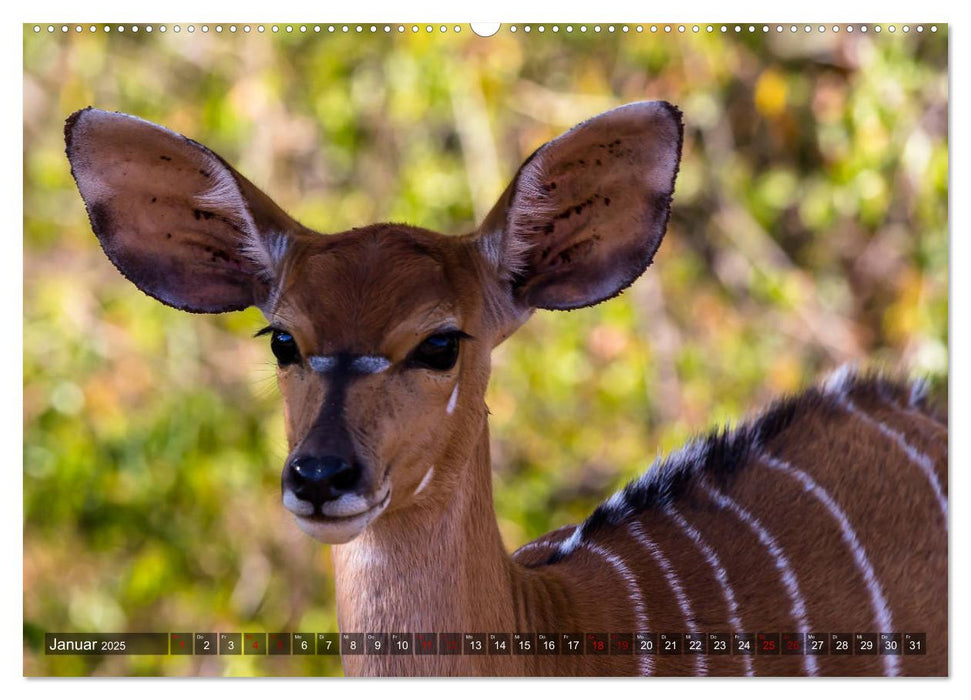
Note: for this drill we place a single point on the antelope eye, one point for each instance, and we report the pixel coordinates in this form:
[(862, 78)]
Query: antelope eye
[(284, 347), (438, 352)]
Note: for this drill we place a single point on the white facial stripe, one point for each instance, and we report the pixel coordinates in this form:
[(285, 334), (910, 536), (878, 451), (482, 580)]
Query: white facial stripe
[(321, 363), (424, 481), (452, 400), (370, 364), (365, 364)]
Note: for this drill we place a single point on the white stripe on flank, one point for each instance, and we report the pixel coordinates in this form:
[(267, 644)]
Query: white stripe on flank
[(789, 579), (922, 461), (531, 545), (671, 576), (617, 506), (840, 381), (918, 392), (536, 544), (570, 543), (720, 575), (896, 405), (881, 610), (640, 614)]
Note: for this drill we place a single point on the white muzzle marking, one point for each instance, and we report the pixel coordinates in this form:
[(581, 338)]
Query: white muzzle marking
[(338, 529), (296, 505)]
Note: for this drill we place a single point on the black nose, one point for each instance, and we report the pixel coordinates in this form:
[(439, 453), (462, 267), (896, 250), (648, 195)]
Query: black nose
[(322, 479)]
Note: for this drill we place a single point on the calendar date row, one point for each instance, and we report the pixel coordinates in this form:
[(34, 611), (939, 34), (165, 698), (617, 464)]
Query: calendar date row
[(515, 643)]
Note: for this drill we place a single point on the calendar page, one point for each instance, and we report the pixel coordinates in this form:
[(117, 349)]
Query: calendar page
[(729, 458)]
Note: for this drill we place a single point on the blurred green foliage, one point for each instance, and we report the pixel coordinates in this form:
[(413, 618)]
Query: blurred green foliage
[(809, 229)]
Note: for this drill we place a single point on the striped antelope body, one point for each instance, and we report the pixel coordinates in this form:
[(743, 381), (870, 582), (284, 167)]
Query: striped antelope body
[(826, 513), (763, 528)]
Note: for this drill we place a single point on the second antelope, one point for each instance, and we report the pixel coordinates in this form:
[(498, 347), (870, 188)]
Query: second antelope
[(825, 513)]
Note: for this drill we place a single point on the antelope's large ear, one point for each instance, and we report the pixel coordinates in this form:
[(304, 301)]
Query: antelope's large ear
[(174, 217), (587, 211)]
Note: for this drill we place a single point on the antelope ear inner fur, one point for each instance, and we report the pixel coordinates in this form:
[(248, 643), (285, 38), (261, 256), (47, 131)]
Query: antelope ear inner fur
[(173, 216), (587, 211)]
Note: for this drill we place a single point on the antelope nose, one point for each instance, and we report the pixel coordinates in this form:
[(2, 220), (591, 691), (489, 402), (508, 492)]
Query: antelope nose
[(322, 479)]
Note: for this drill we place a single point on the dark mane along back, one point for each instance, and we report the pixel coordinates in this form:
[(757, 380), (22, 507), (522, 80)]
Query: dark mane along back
[(724, 452)]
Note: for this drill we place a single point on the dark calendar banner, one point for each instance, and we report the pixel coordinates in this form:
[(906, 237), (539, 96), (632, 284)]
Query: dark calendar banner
[(491, 644)]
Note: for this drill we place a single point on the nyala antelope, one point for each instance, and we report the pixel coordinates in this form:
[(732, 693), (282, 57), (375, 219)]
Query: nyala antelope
[(825, 513)]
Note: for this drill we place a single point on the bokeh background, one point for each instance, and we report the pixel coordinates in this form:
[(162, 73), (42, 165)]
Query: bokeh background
[(809, 229)]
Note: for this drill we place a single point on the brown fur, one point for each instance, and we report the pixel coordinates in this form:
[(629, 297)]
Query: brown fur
[(450, 586), (434, 561)]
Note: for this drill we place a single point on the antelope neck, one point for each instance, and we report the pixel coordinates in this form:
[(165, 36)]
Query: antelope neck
[(436, 567)]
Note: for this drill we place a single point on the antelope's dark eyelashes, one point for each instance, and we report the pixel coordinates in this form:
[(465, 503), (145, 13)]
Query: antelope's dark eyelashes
[(439, 351), (283, 345)]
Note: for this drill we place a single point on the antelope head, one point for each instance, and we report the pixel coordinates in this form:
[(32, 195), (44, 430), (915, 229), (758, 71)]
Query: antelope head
[(382, 334)]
